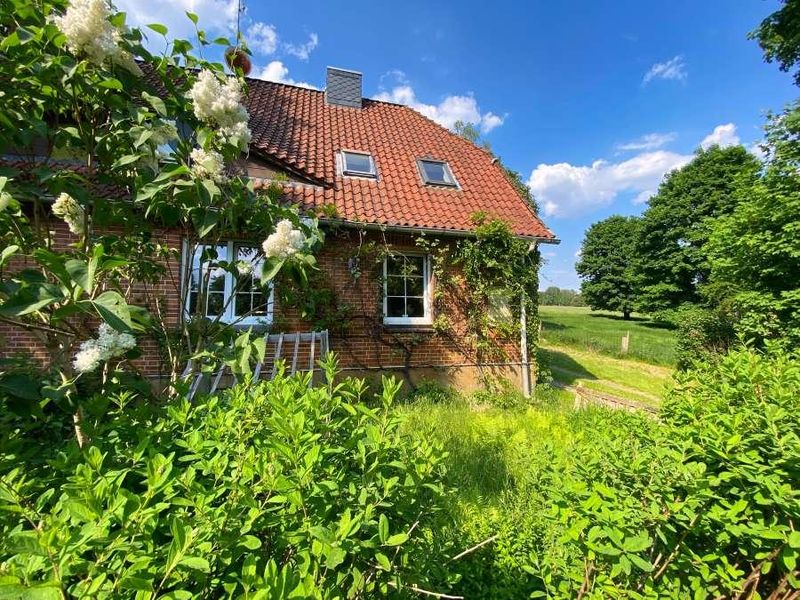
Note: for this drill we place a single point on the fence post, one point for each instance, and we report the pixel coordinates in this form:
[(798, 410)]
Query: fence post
[(626, 340), (523, 346)]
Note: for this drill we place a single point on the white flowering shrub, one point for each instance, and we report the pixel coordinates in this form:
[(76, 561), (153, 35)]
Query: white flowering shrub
[(89, 32), (207, 164), (220, 104), (107, 345), (284, 242), (136, 144), (68, 210)]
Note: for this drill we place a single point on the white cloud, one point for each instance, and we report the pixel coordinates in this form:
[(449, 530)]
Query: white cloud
[(564, 189), (674, 68), (302, 51), (570, 190), (448, 111), (277, 71), (650, 141), (723, 136), (262, 38)]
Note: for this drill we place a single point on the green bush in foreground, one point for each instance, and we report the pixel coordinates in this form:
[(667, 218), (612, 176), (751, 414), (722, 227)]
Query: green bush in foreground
[(278, 490), (595, 503)]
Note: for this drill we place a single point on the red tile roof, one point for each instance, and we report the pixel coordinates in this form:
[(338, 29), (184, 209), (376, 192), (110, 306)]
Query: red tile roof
[(296, 128)]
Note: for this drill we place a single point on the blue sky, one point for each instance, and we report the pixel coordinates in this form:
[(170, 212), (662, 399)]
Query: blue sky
[(590, 101)]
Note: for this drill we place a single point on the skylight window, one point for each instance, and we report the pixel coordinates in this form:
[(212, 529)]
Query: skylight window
[(358, 163), (436, 172)]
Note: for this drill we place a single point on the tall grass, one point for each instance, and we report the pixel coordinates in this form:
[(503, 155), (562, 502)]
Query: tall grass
[(602, 332)]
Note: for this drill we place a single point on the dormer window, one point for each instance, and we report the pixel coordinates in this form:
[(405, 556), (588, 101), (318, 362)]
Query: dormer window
[(436, 172), (359, 164)]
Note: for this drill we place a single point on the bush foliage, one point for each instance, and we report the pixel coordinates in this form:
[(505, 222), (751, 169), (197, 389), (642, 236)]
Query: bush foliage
[(703, 503), (279, 490)]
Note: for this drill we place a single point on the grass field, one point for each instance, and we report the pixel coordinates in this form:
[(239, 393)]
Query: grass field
[(629, 379), (598, 331)]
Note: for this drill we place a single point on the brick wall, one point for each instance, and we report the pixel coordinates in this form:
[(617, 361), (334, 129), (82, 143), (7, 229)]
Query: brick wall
[(362, 344)]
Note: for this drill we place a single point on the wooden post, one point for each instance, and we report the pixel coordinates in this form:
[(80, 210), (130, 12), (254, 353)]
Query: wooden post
[(626, 340), (523, 346)]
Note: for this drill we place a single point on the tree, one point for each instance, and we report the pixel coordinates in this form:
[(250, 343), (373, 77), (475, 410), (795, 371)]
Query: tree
[(779, 37), (672, 264), (755, 251), (606, 264), (556, 296)]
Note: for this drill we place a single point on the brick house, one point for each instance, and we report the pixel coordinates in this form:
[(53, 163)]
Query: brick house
[(379, 175)]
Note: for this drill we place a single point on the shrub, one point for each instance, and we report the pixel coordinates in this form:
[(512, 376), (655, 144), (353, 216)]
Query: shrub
[(272, 490), (703, 334), (596, 503)]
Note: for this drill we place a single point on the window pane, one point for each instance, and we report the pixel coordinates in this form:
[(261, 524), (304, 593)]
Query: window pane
[(395, 286), (435, 172), (395, 307), (394, 265), (259, 305), (216, 280), (415, 307), (413, 266), (216, 302), (242, 307), (414, 286), (359, 163), (193, 302)]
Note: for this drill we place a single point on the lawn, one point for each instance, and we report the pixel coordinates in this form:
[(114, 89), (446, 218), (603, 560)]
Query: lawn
[(629, 379), (585, 329)]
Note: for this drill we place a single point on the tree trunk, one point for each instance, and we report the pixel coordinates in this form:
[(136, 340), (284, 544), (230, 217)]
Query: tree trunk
[(626, 315)]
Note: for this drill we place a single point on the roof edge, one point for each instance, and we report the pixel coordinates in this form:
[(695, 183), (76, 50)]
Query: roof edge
[(462, 233)]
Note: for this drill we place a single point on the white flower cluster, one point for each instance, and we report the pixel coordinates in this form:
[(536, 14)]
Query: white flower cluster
[(67, 209), (88, 31), (221, 105), (285, 242), (108, 344), (208, 164)]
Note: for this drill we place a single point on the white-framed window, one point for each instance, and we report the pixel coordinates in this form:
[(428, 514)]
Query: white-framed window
[(436, 172), (406, 290), (359, 164), (237, 299)]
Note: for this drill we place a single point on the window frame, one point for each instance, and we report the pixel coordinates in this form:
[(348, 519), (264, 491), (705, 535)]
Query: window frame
[(427, 282), (228, 317), (373, 174), (452, 183)]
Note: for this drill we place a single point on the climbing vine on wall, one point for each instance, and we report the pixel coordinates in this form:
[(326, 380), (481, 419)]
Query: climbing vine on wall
[(479, 284)]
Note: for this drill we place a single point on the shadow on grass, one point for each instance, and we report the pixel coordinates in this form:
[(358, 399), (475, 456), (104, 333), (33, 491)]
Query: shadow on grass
[(632, 319), (564, 368)]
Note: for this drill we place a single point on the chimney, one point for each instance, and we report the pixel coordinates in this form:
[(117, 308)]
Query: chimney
[(343, 87)]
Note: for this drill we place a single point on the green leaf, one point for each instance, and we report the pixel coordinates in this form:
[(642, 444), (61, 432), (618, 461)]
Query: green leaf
[(383, 528), (794, 539), (383, 561), (192, 17), (48, 591), (250, 542), (158, 28), (30, 299), (156, 102), (271, 268), (20, 385), (111, 83), (113, 309), (396, 539), (7, 253), (197, 563)]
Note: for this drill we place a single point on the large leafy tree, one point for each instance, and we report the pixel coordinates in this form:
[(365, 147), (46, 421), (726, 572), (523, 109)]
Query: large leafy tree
[(672, 264), (606, 264), (779, 37), (755, 251)]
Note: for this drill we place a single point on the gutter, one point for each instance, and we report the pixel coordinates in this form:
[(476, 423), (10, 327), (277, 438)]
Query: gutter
[(428, 230)]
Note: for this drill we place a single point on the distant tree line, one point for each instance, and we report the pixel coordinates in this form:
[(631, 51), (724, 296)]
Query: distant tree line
[(717, 251), (556, 296)]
